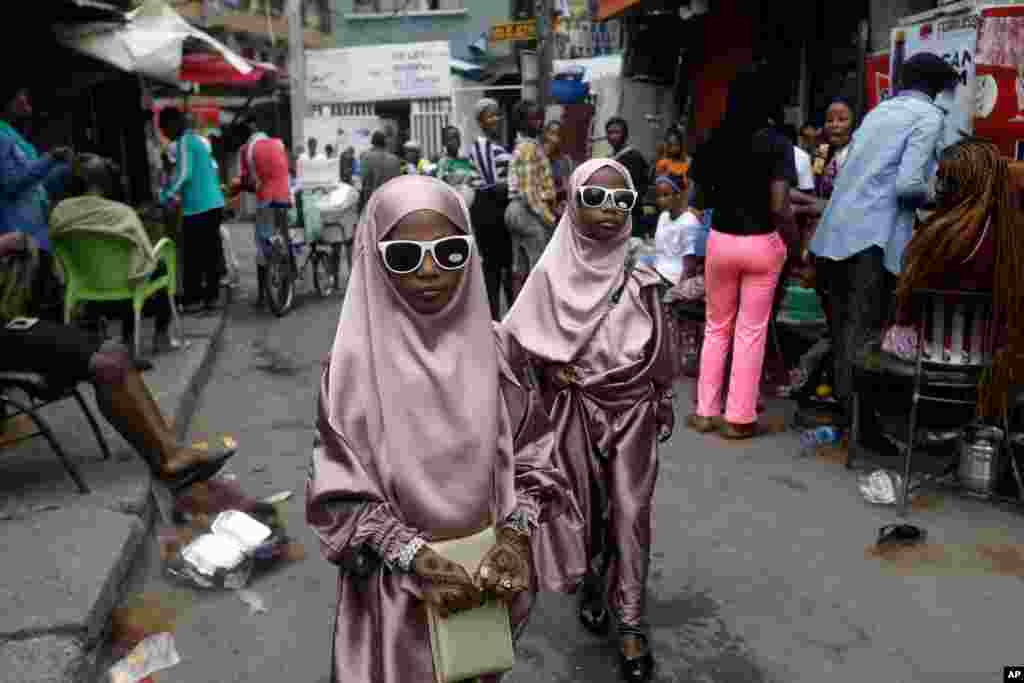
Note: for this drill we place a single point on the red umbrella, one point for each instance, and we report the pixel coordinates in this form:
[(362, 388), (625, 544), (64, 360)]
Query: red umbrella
[(212, 69)]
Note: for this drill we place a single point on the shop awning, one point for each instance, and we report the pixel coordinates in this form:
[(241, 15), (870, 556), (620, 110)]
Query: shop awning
[(608, 9), (151, 43), (206, 68)]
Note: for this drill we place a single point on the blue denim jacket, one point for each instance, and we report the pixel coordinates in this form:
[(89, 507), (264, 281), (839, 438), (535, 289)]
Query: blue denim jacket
[(24, 183), (892, 157)]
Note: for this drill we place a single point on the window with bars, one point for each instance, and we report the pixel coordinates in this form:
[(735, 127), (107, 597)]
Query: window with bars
[(401, 6)]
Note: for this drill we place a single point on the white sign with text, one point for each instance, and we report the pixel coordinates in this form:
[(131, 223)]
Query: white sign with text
[(381, 72)]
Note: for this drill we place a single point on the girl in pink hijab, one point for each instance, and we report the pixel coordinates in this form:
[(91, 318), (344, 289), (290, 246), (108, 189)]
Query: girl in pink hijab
[(425, 434), (592, 326)]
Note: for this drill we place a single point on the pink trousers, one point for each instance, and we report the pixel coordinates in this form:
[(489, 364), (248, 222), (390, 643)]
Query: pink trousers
[(741, 274)]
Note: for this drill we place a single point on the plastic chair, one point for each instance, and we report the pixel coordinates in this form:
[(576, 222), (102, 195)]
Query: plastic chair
[(956, 344), (97, 269)]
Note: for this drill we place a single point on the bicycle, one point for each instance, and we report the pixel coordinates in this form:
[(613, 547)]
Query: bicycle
[(283, 269)]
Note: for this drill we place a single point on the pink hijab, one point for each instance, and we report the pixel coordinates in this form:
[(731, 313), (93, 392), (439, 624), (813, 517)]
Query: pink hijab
[(566, 296), (416, 397)]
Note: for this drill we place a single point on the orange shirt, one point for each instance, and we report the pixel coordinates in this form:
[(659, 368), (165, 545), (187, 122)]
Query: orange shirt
[(672, 167)]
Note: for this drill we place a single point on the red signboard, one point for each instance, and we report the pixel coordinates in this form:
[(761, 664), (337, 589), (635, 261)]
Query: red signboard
[(876, 79), (999, 89)]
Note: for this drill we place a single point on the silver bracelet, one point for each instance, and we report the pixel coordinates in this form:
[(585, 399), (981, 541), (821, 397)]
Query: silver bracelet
[(408, 553)]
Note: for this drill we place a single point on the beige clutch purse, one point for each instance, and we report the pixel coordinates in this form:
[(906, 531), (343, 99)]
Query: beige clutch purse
[(478, 641)]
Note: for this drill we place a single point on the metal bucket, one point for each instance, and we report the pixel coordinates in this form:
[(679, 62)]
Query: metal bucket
[(981, 452)]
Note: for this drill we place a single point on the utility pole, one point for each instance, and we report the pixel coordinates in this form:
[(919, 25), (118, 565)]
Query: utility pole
[(297, 70), (545, 50)]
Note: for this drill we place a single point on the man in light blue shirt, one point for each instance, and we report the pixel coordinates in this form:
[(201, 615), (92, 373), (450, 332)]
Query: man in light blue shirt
[(860, 240)]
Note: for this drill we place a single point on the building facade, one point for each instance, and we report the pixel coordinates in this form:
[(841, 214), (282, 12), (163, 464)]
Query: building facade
[(814, 51), (463, 24)]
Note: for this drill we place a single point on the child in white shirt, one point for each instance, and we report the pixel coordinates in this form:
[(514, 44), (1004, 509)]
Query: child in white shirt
[(677, 240)]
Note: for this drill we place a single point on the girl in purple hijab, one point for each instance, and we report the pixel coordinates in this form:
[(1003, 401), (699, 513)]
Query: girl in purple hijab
[(592, 326), (425, 434)]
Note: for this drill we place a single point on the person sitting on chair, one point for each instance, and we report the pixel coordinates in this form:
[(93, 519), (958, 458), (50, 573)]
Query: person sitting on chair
[(970, 242), (65, 355), (90, 213)]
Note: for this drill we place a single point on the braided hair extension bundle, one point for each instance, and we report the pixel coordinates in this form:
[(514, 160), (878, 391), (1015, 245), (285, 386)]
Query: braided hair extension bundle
[(974, 194)]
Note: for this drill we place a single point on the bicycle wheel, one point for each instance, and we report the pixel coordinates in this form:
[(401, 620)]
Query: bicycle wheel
[(325, 276), (280, 282)]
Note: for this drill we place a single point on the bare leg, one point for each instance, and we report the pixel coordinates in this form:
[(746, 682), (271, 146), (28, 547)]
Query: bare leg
[(130, 407)]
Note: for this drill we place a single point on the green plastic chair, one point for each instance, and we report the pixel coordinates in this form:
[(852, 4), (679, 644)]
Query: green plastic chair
[(96, 268)]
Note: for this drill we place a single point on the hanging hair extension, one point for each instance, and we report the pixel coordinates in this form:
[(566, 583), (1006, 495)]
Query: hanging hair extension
[(973, 188)]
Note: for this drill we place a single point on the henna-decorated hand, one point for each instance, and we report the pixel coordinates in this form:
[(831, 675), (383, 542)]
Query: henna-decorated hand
[(505, 570), (447, 585)]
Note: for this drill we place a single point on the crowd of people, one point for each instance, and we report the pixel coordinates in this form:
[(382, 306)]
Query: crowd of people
[(439, 418), (572, 390)]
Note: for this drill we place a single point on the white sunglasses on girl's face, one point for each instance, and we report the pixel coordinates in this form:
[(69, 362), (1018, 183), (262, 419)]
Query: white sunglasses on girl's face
[(402, 257), (597, 197)]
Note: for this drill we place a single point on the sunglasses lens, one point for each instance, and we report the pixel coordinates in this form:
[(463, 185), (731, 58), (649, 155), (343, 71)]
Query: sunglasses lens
[(403, 257), (452, 253), (624, 199), (592, 196)]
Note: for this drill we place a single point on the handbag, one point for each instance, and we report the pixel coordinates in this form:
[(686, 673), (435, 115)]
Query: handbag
[(475, 642)]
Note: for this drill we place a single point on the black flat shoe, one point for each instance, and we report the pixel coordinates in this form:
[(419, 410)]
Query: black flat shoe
[(198, 472), (637, 669), (594, 617)]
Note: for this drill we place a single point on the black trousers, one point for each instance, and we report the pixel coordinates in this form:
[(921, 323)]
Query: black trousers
[(204, 254), (157, 306), (494, 245), (860, 294), (58, 352)]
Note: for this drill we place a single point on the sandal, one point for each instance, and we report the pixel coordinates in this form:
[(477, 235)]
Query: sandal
[(198, 472), (901, 534), (637, 669)]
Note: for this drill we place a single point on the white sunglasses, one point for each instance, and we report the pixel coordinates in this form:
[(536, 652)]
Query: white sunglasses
[(402, 257), (597, 197)]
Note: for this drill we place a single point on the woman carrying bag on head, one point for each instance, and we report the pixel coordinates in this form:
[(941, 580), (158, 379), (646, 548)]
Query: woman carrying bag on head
[(426, 437)]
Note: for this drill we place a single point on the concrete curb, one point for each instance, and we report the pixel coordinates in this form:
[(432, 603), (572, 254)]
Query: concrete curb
[(187, 405), (65, 648)]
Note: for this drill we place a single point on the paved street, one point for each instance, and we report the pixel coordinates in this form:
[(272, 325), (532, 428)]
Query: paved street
[(760, 569)]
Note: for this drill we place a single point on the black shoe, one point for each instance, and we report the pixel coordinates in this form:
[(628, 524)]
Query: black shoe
[(637, 670), (198, 472), (594, 616)]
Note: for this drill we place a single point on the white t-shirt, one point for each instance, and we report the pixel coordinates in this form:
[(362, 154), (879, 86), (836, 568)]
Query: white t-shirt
[(804, 173), (671, 241)]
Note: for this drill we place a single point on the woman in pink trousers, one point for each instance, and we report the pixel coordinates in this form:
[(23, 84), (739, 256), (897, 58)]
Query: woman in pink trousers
[(744, 173)]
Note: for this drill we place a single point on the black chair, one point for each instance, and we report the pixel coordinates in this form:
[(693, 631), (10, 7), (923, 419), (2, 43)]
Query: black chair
[(41, 393), (943, 375)]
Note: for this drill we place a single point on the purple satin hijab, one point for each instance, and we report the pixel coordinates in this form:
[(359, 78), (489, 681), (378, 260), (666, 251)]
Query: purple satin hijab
[(566, 296), (416, 397)]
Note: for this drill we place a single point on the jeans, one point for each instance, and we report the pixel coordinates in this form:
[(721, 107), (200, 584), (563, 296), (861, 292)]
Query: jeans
[(741, 274), (859, 291)]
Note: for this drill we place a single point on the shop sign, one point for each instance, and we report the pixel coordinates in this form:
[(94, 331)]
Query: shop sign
[(1000, 84), (876, 82), (515, 30), (377, 73)]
